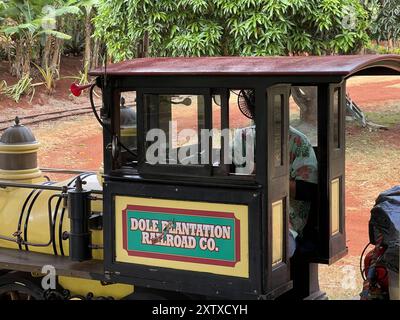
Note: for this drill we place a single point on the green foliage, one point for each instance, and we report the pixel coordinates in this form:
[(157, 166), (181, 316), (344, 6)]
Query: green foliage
[(387, 119), (3, 84), (232, 27), (49, 76), (22, 87), (28, 26), (377, 49), (30, 20), (387, 24), (76, 28), (82, 78)]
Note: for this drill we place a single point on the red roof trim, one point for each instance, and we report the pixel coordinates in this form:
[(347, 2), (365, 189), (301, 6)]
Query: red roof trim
[(269, 66)]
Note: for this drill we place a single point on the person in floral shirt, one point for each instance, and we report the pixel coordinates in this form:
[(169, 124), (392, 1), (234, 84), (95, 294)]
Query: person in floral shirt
[(303, 182), (303, 178)]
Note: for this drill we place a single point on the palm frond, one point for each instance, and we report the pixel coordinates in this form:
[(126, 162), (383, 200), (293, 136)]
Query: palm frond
[(49, 75), (57, 34), (67, 10), (22, 87), (16, 29)]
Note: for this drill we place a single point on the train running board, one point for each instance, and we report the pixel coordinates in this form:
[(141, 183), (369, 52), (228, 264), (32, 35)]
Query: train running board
[(27, 261)]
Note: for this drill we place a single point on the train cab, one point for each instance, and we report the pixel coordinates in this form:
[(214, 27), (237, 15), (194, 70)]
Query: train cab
[(214, 187)]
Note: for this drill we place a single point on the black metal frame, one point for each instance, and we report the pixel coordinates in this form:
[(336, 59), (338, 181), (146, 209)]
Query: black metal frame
[(257, 192), (187, 281), (278, 179), (331, 162)]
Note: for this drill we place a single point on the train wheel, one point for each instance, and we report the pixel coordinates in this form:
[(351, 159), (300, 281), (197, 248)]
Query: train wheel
[(17, 286)]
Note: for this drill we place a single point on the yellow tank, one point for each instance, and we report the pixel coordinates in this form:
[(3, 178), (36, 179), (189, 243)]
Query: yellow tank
[(24, 212)]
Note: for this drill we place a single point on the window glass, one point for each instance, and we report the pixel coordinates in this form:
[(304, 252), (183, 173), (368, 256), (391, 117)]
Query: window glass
[(303, 107), (278, 129), (173, 127), (217, 128), (336, 117), (242, 130), (128, 128), (176, 133)]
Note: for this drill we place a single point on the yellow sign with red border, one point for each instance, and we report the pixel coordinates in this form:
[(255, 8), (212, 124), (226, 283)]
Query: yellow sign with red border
[(183, 235)]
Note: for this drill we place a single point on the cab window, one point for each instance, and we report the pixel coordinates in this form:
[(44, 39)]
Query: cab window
[(210, 133), (173, 125), (127, 129)]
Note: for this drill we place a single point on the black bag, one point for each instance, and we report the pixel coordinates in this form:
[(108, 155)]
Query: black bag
[(384, 225)]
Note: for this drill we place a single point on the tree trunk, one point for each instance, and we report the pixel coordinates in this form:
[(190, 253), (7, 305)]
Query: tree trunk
[(306, 99), (139, 49), (9, 57), (95, 54), (390, 43), (47, 52), (56, 56), (88, 42), (20, 64), (15, 63), (225, 49), (26, 67), (146, 44), (142, 48), (57, 49)]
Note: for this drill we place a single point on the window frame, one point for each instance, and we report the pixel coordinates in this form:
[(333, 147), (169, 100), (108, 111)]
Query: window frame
[(271, 92), (118, 132), (141, 168), (336, 130), (168, 169)]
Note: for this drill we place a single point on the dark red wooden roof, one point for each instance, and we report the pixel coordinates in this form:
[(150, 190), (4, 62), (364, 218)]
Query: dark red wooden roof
[(274, 66)]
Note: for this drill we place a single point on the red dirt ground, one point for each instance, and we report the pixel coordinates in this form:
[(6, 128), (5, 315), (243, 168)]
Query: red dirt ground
[(374, 94), (362, 189), (69, 67)]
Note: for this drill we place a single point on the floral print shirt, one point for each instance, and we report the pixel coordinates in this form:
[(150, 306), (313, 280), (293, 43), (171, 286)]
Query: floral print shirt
[(303, 166)]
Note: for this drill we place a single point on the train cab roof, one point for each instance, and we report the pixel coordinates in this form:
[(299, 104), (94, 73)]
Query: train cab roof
[(342, 66)]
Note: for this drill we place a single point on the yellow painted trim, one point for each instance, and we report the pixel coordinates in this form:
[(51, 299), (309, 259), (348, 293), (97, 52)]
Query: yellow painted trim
[(241, 269), (335, 206), (78, 286), (100, 174), (19, 148), (20, 174), (128, 132), (18, 152), (277, 232), (23, 171)]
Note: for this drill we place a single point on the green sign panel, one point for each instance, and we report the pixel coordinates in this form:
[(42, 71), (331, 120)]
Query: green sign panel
[(182, 235)]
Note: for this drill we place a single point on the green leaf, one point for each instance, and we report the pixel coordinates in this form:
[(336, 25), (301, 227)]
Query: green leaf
[(56, 34)]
